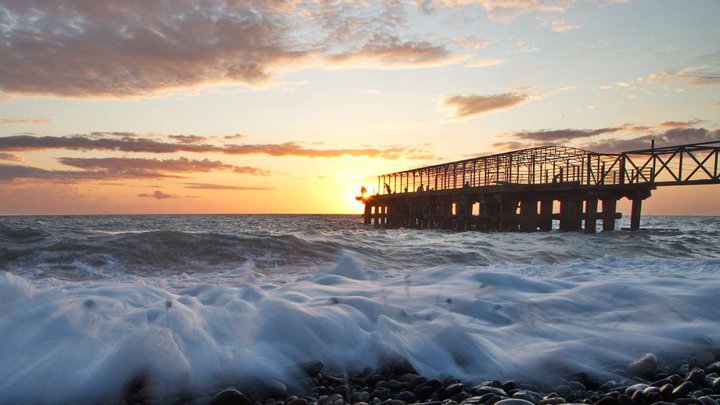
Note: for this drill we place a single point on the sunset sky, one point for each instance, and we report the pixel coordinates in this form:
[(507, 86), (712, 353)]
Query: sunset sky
[(208, 106)]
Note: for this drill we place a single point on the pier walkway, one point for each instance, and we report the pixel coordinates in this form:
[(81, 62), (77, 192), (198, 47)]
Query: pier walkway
[(525, 190)]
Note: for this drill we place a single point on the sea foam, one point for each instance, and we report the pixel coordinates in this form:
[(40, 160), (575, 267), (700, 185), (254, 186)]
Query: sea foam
[(69, 341)]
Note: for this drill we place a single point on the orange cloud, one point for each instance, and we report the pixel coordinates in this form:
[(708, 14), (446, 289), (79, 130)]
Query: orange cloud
[(10, 157), (13, 121), (131, 143), (134, 165), (210, 186), (470, 106), (158, 195)]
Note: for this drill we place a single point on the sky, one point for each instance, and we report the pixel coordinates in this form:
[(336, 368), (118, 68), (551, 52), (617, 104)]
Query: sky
[(288, 106)]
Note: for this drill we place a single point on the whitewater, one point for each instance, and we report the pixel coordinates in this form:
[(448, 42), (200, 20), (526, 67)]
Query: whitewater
[(200, 302)]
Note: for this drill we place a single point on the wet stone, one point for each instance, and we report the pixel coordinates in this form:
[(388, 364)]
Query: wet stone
[(564, 390), (484, 389), (643, 365), (423, 392), (298, 401), (381, 393), (475, 400), (312, 368), (607, 401), (230, 397), (688, 401), (576, 386), (494, 399), (529, 396), (509, 385), (415, 382), (634, 388), (682, 390), (459, 397), (514, 401), (342, 389), (406, 396), (715, 385), (552, 401), (707, 400), (434, 383), (623, 399), (666, 391), (452, 390), (696, 376)]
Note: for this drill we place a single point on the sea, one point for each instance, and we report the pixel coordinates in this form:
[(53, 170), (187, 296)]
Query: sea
[(88, 302)]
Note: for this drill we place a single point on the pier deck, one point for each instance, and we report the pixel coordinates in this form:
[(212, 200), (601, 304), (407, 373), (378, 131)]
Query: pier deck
[(526, 190)]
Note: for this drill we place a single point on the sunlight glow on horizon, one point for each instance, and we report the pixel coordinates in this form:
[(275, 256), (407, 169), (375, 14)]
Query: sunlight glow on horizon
[(209, 111)]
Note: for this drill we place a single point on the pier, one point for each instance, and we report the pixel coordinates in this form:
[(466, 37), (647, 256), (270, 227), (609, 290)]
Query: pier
[(527, 190)]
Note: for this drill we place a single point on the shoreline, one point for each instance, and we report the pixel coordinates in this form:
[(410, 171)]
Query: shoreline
[(645, 382)]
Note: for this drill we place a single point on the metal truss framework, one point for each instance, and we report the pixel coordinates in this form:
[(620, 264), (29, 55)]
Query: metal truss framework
[(687, 164)]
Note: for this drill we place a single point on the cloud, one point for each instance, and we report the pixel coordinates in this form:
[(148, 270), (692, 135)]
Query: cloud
[(562, 25), (10, 157), (158, 195), (673, 136), (557, 135), (391, 52), (485, 63), (680, 124), (234, 137), (81, 49), (470, 106), (667, 133), (471, 42), (209, 186), (503, 9), (9, 172), (13, 121), (122, 166), (703, 71), (132, 143), (188, 138)]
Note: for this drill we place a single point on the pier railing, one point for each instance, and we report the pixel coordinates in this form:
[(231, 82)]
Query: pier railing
[(687, 164)]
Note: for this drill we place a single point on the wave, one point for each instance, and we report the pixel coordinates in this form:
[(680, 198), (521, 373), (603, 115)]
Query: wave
[(93, 248), (81, 341)]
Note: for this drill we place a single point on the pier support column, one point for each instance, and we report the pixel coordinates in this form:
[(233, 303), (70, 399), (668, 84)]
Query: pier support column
[(528, 215), (570, 214), (367, 214), (376, 215), (492, 212), (384, 219), (546, 211), (591, 205), (609, 208), (635, 215)]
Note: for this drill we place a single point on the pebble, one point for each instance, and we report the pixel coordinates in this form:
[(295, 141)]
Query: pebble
[(707, 400), (485, 389), (643, 365), (527, 395), (682, 390), (298, 401), (452, 390), (406, 396), (513, 401), (230, 397)]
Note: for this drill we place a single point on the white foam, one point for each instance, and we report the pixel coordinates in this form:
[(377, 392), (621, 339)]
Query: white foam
[(81, 341)]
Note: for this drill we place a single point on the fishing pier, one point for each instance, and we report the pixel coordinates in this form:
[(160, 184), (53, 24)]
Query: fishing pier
[(526, 190)]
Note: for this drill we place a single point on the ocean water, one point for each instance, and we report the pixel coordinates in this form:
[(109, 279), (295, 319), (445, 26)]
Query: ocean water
[(199, 302)]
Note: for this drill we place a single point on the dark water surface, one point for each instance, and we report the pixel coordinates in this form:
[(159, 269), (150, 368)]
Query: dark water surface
[(86, 302)]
